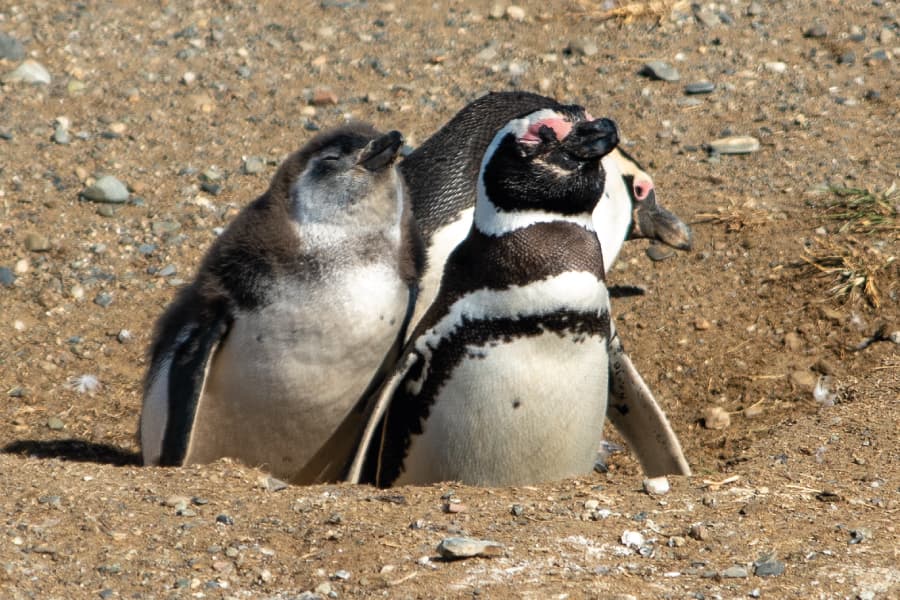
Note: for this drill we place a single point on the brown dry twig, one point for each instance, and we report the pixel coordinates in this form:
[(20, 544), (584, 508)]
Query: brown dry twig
[(633, 10), (734, 217)]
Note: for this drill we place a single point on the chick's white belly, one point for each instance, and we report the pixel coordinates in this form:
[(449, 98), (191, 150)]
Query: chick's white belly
[(286, 375), (528, 410)]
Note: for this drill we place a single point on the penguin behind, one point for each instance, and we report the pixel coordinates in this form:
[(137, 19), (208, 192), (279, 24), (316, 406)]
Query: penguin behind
[(504, 382), (292, 312)]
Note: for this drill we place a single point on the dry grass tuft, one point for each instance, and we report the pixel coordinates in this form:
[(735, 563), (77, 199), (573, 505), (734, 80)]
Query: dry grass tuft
[(856, 269), (862, 210)]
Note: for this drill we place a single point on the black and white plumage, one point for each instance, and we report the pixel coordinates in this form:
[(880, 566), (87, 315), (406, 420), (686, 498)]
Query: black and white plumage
[(293, 310), (442, 173), (442, 177), (504, 381)]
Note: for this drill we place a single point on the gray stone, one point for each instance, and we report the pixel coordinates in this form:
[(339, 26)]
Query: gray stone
[(847, 58), (816, 31), (61, 135), (253, 165), (755, 9), (167, 271), (164, 227), (461, 547), (740, 144), (55, 423), (106, 189), (583, 47), (768, 567), (29, 71), (657, 252), (35, 242), (7, 277), (700, 87), (657, 69), (735, 572), (10, 47), (103, 299)]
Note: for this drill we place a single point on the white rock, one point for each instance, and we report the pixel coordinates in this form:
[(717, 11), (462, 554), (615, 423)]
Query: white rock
[(776, 67), (656, 485), (29, 71), (515, 13), (632, 539)]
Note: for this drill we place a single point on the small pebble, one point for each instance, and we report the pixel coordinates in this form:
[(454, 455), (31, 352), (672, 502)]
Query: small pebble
[(768, 567), (716, 417), (30, 71), (225, 519), (11, 48), (124, 336), (7, 277), (776, 67), (700, 87), (632, 539), (735, 572), (461, 547), (323, 97), (816, 31), (106, 189), (658, 252), (755, 9), (55, 423), (103, 299), (847, 58), (35, 242), (735, 145), (61, 135), (253, 165), (583, 47), (515, 13), (657, 69), (656, 485)]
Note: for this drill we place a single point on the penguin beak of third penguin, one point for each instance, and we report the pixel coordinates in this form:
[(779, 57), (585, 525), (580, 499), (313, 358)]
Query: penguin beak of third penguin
[(381, 152), (652, 221)]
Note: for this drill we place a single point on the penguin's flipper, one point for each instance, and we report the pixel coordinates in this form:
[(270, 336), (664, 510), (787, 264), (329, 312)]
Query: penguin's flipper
[(637, 416), (366, 466), (173, 398)]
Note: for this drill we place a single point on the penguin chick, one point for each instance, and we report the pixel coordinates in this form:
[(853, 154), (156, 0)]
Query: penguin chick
[(504, 381), (293, 310)]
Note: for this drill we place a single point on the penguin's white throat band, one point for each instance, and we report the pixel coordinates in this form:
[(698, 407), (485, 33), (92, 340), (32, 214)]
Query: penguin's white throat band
[(495, 222)]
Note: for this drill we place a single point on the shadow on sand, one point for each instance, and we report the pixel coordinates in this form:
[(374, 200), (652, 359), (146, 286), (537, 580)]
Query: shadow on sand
[(74, 450)]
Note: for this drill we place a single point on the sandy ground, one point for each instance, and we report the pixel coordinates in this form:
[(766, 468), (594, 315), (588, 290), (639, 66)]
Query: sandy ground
[(797, 497)]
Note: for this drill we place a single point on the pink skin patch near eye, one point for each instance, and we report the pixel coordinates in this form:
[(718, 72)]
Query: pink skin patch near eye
[(560, 127), (642, 188)]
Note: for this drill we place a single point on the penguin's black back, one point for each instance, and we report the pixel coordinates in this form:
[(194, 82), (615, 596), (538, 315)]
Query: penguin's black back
[(442, 173)]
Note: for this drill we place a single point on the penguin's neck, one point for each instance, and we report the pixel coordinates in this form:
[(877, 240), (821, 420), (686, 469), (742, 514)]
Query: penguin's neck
[(613, 214), (494, 222)]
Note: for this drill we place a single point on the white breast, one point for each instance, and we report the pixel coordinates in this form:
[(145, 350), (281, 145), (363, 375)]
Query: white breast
[(526, 411), (288, 374)]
